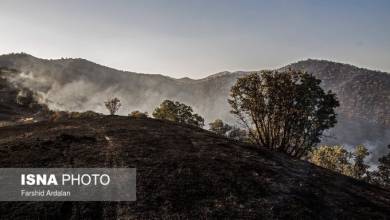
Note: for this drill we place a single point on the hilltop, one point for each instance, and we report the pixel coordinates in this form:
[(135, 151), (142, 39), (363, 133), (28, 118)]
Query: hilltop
[(183, 172)]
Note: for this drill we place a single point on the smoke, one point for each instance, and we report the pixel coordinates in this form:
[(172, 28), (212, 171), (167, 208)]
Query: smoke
[(82, 93), (352, 132)]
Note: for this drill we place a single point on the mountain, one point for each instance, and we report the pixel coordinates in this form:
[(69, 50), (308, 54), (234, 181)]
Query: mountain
[(364, 94), (80, 85), (183, 172)]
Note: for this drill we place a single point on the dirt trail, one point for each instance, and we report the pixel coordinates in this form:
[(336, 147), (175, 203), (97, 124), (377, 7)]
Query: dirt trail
[(113, 159)]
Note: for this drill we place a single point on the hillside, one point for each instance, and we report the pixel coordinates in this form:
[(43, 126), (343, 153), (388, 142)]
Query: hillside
[(183, 172), (80, 85)]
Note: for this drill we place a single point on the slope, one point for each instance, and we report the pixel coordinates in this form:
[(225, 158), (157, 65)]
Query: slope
[(183, 173)]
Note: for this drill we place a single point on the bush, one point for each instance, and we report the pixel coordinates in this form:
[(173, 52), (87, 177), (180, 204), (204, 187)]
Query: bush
[(62, 115), (138, 114)]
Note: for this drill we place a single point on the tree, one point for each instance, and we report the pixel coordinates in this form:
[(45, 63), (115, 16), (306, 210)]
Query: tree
[(338, 159), (232, 132), (360, 169), (381, 176), (334, 158), (219, 127), (178, 112), (284, 111), (224, 129), (25, 98), (138, 114), (238, 134), (113, 105)]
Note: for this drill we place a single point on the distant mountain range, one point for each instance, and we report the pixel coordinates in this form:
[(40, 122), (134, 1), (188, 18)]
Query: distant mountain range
[(80, 85)]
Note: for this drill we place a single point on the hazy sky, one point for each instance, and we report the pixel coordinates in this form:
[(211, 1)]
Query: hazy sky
[(200, 37)]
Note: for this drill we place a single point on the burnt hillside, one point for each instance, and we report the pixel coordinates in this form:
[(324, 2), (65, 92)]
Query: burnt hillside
[(183, 173)]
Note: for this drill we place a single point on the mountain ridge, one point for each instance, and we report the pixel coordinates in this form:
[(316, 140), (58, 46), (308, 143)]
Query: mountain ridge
[(214, 75)]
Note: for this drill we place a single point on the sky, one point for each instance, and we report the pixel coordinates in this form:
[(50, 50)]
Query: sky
[(183, 38)]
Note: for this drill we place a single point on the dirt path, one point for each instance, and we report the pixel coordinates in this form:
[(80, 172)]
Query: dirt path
[(113, 159)]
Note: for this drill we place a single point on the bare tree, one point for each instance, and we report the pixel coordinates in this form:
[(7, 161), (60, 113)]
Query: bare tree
[(113, 105)]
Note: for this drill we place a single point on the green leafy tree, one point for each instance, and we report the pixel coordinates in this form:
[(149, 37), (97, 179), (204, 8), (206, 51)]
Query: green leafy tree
[(232, 132), (178, 112), (113, 105), (284, 111), (338, 159), (219, 127), (334, 158)]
